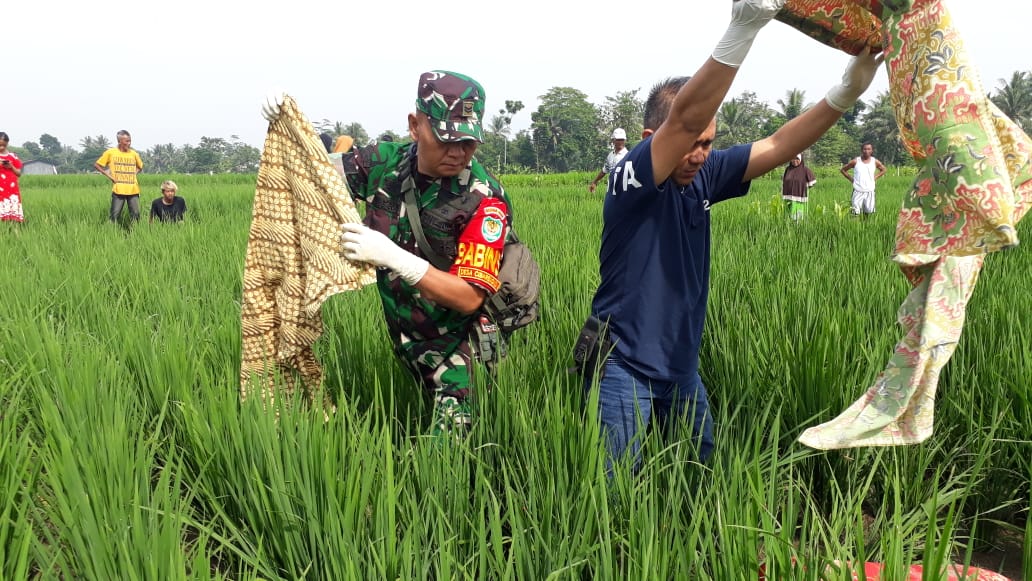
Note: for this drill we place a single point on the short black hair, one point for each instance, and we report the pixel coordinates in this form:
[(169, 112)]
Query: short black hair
[(657, 106), (4, 137), (122, 132)]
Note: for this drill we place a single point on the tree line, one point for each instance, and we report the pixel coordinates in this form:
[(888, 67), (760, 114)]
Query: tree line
[(567, 133), (211, 155)]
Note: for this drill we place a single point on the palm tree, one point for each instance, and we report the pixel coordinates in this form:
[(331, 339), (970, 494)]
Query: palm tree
[(735, 123), (793, 104), (1014, 98), (154, 156), (498, 126), (880, 128)]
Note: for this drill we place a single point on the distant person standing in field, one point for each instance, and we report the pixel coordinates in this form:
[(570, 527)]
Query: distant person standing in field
[(169, 207), (432, 313), (795, 187), (655, 252), (10, 194), (619, 140), (121, 164), (866, 171)]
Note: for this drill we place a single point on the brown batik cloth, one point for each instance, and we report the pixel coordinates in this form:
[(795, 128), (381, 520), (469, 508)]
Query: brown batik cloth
[(293, 261)]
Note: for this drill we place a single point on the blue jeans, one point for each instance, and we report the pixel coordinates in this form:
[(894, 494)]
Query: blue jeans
[(628, 400)]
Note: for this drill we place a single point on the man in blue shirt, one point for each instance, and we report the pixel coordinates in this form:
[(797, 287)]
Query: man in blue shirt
[(655, 253)]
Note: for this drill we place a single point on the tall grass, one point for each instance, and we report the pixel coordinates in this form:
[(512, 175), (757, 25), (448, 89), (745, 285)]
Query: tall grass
[(125, 454)]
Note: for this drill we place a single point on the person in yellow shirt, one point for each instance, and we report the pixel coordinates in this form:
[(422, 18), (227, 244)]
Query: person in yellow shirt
[(120, 165)]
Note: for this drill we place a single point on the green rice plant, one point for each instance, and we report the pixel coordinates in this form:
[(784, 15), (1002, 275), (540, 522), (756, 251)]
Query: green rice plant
[(126, 452), (113, 505), (18, 474)]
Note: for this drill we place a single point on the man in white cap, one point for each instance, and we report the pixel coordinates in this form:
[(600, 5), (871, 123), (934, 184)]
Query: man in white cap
[(619, 151)]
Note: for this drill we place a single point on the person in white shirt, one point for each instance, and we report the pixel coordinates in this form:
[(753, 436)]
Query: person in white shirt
[(619, 151), (866, 171)]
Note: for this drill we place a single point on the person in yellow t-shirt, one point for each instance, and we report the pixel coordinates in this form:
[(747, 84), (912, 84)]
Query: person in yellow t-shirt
[(120, 165)]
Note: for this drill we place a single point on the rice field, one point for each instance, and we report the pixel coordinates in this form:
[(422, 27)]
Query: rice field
[(125, 453)]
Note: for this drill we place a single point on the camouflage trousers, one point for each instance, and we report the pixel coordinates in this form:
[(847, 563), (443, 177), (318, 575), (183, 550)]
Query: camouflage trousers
[(448, 378), (441, 373)]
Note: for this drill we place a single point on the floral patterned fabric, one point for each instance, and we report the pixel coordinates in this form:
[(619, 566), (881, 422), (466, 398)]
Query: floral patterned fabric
[(842, 24), (973, 186)]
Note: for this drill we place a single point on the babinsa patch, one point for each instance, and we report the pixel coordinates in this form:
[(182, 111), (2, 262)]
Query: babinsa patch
[(493, 225)]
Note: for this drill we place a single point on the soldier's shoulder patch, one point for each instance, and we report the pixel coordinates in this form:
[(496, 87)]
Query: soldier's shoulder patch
[(493, 225)]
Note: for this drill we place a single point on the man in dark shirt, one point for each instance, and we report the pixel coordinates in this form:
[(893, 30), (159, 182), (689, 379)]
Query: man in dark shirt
[(169, 207), (655, 251)]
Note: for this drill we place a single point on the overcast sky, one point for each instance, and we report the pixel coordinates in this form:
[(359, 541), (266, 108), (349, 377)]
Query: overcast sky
[(177, 71)]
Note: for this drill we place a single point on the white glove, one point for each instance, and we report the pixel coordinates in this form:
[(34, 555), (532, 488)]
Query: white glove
[(361, 243), (747, 18), (858, 76), (271, 106)]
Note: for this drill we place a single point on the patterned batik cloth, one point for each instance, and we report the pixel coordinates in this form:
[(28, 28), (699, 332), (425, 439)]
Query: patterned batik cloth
[(293, 261), (973, 186)]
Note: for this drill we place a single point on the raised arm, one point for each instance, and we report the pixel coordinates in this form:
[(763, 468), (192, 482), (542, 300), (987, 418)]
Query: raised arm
[(696, 104), (804, 130)]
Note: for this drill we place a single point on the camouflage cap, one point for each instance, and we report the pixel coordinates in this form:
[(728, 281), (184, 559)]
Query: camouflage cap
[(454, 103)]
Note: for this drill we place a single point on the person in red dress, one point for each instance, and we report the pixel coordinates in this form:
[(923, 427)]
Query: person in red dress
[(10, 171)]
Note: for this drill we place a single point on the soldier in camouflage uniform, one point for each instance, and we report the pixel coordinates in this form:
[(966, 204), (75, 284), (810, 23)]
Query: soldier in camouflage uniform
[(430, 312)]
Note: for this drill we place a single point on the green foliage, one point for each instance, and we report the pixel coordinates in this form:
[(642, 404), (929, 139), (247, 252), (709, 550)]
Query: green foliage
[(565, 131), (50, 145), (21, 152), (83, 162), (33, 149), (1014, 98), (494, 152), (741, 120), (835, 147)]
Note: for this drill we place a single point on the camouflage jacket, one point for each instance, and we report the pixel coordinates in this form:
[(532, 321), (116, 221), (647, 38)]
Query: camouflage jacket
[(431, 340)]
